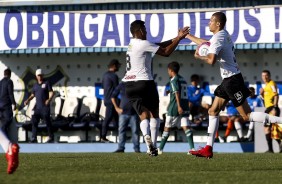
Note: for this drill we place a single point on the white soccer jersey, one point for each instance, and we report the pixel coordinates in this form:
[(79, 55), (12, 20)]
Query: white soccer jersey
[(139, 60), (223, 47)]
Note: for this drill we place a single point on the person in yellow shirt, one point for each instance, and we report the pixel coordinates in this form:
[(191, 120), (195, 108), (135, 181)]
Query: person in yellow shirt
[(271, 96)]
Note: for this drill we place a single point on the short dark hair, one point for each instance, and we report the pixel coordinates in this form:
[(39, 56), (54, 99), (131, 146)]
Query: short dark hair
[(174, 66), (7, 72), (252, 89), (221, 17), (114, 62), (195, 77), (136, 25), (266, 71)]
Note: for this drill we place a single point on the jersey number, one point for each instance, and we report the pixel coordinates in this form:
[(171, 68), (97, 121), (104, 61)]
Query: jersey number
[(184, 94), (128, 64)]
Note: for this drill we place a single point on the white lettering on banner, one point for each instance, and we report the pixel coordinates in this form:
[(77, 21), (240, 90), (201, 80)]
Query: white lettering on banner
[(63, 29)]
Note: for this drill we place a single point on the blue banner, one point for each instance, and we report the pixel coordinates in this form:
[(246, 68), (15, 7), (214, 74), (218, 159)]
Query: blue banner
[(65, 29)]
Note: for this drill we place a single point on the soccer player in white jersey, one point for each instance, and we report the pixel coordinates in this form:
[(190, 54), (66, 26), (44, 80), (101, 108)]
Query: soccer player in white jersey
[(232, 87), (139, 83), (12, 153)]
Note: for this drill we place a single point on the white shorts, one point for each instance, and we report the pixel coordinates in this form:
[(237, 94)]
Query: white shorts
[(176, 121)]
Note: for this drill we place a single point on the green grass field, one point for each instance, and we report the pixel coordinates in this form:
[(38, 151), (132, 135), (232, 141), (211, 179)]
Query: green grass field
[(122, 168)]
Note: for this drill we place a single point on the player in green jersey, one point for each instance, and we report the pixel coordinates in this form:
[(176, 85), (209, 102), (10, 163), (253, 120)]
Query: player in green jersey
[(178, 110)]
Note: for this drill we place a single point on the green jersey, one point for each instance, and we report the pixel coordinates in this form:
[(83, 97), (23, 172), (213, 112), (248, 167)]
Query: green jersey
[(178, 84)]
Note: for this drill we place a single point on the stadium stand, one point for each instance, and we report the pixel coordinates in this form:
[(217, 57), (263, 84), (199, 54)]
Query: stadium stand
[(61, 112)]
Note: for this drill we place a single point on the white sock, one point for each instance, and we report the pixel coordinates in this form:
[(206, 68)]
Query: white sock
[(261, 117), (154, 127), (144, 126), (238, 128), (251, 128), (148, 141), (4, 141), (213, 126)]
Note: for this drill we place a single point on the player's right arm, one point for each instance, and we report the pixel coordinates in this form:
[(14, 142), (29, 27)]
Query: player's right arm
[(209, 59), (171, 45), (214, 49)]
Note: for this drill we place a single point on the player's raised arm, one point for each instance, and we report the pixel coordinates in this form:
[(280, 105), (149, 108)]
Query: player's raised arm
[(195, 39), (166, 48)]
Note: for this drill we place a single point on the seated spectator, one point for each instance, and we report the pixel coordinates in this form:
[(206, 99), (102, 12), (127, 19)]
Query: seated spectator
[(127, 115), (235, 119), (198, 110)]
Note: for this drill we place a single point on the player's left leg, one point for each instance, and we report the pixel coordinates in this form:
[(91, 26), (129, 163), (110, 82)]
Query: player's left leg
[(145, 129), (184, 123), (259, 117), (165, 136), (168, 125), (154, 128)]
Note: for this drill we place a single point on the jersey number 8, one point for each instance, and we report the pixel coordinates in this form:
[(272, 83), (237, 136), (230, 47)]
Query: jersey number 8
[(128, 64)]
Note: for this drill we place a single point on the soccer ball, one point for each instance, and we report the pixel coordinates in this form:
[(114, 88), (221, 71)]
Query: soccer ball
[(203, 49)]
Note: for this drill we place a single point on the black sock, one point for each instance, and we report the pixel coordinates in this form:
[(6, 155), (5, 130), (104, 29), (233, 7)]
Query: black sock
[(269, 141)]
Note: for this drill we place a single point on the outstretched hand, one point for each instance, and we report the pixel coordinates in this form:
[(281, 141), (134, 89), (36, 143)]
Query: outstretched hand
[(183, 32)]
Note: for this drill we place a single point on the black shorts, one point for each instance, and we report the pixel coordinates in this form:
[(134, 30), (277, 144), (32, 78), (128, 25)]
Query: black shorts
[(233, 88), (142, 94), (194, 110)]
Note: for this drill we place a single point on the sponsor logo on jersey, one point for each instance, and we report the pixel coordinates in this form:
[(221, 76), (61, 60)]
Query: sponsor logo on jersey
[(238, 96), (130, 77)]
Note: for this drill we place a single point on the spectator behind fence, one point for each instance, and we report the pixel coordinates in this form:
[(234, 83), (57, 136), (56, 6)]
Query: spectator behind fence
[(7, 101), (198, 110), (43, 93), (127, 115), (109, 83), (271, 97)]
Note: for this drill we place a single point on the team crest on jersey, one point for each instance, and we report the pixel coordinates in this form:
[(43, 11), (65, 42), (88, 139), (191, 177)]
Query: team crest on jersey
[(238, 96)]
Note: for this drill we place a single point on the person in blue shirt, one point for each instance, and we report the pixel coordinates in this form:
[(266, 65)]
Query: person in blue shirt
[(198, 110), (7, 101), (43, 93), (253, 101), (109, 83), (127, 116)]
